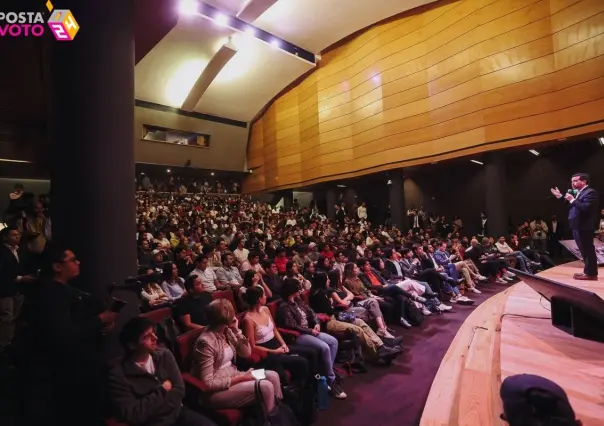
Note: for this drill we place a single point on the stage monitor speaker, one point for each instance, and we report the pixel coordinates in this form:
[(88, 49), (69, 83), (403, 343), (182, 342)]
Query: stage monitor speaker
[(574, 310), (571, 246)]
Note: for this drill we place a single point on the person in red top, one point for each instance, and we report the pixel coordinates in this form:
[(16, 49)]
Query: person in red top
[(281, 261), (327, 252)]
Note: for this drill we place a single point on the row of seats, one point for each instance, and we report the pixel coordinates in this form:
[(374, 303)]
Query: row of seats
[(186, 343)]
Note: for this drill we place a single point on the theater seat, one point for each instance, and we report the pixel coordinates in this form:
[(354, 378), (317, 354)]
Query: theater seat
[(158, 314), (225, 417), (225, 294), (113, 422)]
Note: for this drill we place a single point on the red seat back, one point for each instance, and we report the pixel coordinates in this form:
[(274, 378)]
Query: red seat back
[(462, 252), (186, 342), (225, 294), (272, 306), (158, 314)]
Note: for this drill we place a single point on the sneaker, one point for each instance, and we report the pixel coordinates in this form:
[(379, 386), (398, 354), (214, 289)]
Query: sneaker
[(388, 352), (475, 290), (463, 299), (501, 281), (426, 311), (336, 391), (509, 279), (442, 307), (394, 342), (482, 278), (420, 299), (510, 275), (403, 321)]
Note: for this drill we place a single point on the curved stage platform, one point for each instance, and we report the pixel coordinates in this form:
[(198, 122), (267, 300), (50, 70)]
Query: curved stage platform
[(511, 333)]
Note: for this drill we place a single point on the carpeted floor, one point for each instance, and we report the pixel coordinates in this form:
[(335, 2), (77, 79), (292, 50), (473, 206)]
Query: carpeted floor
[(396, 395)]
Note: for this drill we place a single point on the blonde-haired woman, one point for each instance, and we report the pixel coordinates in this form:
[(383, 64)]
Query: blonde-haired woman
[(213, 363)]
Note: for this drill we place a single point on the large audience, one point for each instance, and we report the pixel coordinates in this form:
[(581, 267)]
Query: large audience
[(306, 299)]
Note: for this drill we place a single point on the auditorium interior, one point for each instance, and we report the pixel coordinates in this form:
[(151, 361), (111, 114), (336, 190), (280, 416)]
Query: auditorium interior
[(372, 179)]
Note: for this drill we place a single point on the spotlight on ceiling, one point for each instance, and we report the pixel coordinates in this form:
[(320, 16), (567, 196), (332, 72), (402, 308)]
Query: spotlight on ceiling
[(168, 170), (221, 20), (212, 174), (275, 43), (477, 162), (188, 7), (341, 186), (601, 140), (532, 151), (251, 31)]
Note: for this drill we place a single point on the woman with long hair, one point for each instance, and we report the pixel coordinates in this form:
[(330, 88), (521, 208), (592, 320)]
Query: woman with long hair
[(259, 328), (369, 301), (172, 284), (321, 302), (214, 358)]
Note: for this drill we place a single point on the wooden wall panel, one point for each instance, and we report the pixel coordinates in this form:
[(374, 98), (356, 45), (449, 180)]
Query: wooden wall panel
[(455, 78)]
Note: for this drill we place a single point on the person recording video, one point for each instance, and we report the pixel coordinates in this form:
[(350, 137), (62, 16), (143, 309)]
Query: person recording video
[(62, 344), (582, 217)]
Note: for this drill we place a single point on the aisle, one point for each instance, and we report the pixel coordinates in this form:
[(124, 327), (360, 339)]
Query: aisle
[(397, 394)]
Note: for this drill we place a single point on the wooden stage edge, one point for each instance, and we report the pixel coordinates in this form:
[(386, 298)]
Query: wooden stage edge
[(497, 340)]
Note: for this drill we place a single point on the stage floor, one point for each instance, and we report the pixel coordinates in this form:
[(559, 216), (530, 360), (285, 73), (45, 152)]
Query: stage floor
[(511, 333)]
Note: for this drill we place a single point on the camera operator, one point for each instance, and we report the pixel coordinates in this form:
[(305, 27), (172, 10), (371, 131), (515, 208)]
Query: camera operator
[(63, 346)]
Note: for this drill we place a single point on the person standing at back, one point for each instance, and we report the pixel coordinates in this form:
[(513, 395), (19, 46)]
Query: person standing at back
[(582, 218)]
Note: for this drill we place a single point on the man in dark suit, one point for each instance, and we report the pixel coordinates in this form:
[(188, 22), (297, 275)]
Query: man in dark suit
[(582, 218)]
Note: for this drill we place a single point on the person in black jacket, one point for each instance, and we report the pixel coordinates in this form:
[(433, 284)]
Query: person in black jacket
[(12, 275), (63, 345), (582, 218), (145, 386)]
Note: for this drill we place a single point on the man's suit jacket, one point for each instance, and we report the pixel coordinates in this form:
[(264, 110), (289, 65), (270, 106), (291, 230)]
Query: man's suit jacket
[(583, 213), (10, 269)]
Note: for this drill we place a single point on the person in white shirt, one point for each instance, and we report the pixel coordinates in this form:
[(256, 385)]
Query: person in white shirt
[(362, 211), (228, 275), (523, 262), (241, 253), (206, 275)]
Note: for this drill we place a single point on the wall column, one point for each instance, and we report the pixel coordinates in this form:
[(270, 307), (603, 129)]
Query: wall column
[(288, 199), (92, 151), (495, 186), (396, 199)]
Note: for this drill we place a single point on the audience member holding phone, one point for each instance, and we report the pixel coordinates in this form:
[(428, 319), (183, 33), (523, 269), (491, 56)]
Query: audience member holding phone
[(214, 358)]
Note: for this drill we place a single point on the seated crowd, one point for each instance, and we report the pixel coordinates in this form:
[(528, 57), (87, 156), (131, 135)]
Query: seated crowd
[(229, 285), (293, 286)]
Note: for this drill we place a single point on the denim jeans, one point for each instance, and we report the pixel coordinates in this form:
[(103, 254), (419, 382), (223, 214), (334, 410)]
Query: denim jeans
[(428, 289), (328, 349)]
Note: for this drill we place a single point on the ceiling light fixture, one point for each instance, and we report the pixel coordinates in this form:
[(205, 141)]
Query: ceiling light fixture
[(212, 174), (168, 170), (601, 141), (188, 7), (195, 7), (532, 151), (477, 162), (10, 160), (221, 20), (341, 186)]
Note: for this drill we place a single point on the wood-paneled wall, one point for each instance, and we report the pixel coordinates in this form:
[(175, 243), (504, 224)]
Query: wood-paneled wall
[(450, 79)]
